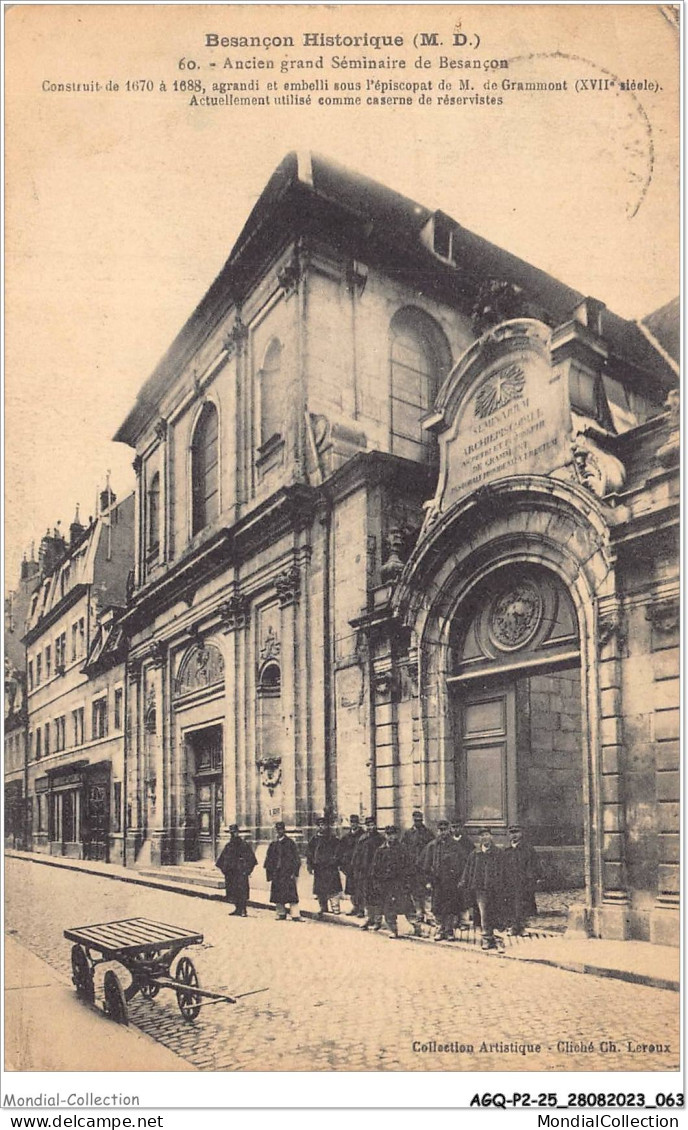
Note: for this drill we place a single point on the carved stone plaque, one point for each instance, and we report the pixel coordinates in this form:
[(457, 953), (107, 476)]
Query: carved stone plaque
[(502, 411), (515, 617), (201, 667)]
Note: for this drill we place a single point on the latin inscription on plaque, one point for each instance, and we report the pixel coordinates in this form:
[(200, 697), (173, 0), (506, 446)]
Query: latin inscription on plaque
[(507, 413)]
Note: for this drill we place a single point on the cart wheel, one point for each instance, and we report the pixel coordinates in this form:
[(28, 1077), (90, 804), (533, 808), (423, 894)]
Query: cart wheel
[(82, 974), (115, 1004), (188, 1002), (149, 990)]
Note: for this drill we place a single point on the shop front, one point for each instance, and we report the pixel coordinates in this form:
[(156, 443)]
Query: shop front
[(14, 814)]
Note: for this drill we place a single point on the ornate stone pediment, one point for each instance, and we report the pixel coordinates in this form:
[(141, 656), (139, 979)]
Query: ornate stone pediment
[(502, 411), (201, 667)]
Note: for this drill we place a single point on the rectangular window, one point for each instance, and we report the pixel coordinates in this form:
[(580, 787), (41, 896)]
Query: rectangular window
[(60, 653), (38, 745), (99, 718), (75, 631), (46, 739), (117, 807), (78, 726), (60, 733), (31, 674), (82, 637), (118, 708), (38, 670), (47, 662)]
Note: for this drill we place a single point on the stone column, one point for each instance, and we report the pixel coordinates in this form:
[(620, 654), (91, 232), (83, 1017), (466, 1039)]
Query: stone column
[(613, 916), (157, 782), (288, 585), (133, 798), (234, 615), (385, 693), (664, 617), (138, 511)]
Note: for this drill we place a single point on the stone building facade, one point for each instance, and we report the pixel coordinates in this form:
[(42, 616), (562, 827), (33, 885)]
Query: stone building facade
[(16, 713), (405, 536), (75, 651)]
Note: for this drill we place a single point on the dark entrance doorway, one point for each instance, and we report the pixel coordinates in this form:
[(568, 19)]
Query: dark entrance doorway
[(205, 750), (517, 718), (96, 814)]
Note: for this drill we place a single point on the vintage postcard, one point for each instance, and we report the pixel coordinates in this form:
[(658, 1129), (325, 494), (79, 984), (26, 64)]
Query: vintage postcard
[(341, 551)]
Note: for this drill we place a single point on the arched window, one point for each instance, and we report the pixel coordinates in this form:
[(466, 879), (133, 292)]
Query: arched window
[(270, 682), (419, 360), (153, 530), (204, 470), (270, 735), (271, 398)]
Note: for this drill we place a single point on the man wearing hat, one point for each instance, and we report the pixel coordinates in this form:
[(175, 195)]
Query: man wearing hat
[(415, 840), (236, 862), (345, 853), (392, 873), (484, 882), (443, 863), (321, 860), (361, 865), (522, 872), (282, 865)]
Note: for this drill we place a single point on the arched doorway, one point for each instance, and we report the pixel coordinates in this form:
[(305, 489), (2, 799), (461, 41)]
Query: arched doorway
[(514, 689), (199, 707)]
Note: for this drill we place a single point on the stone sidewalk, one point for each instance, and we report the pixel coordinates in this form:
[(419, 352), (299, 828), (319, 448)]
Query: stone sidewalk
[(47, 1028), (639, 962)]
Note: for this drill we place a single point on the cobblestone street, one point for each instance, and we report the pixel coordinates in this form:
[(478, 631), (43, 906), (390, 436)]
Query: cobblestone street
[(340, 999)]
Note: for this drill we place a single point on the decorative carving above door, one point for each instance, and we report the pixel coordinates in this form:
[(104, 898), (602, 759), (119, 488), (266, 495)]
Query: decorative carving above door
[(201, 667)]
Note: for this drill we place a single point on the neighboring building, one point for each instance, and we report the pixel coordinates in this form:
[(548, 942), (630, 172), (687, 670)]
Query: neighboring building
[(75, 676), (406, 536), (16, 607)]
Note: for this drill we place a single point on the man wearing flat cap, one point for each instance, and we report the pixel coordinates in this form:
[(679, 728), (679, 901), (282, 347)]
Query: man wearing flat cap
[(443, 863), (282, 864), (415, 840), (361, 869), (345, 853), (236, 862), (484, 882), (522, 872), (321, 860), (392, 873)]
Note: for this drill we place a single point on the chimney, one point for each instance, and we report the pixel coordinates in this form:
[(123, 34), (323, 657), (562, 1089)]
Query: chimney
[(76, 529), (50, 551), (107, 499), (589, 313)]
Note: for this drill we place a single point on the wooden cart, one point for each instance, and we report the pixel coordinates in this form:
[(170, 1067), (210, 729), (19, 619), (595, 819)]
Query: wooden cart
[(146, 949)]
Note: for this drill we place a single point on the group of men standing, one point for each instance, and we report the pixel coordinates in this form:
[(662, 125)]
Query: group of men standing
[(387, 875)]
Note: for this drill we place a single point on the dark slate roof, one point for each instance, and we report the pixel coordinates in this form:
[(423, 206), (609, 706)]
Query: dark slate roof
[(310, 195), (665, 326)]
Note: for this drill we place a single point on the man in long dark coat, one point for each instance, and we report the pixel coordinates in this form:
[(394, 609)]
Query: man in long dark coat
[(361, 864), (392, 873), (522, 872), (282, 865), (484, 882), (321, 860), (443, 863), (415, 840), (236, 862), (345, 853)]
